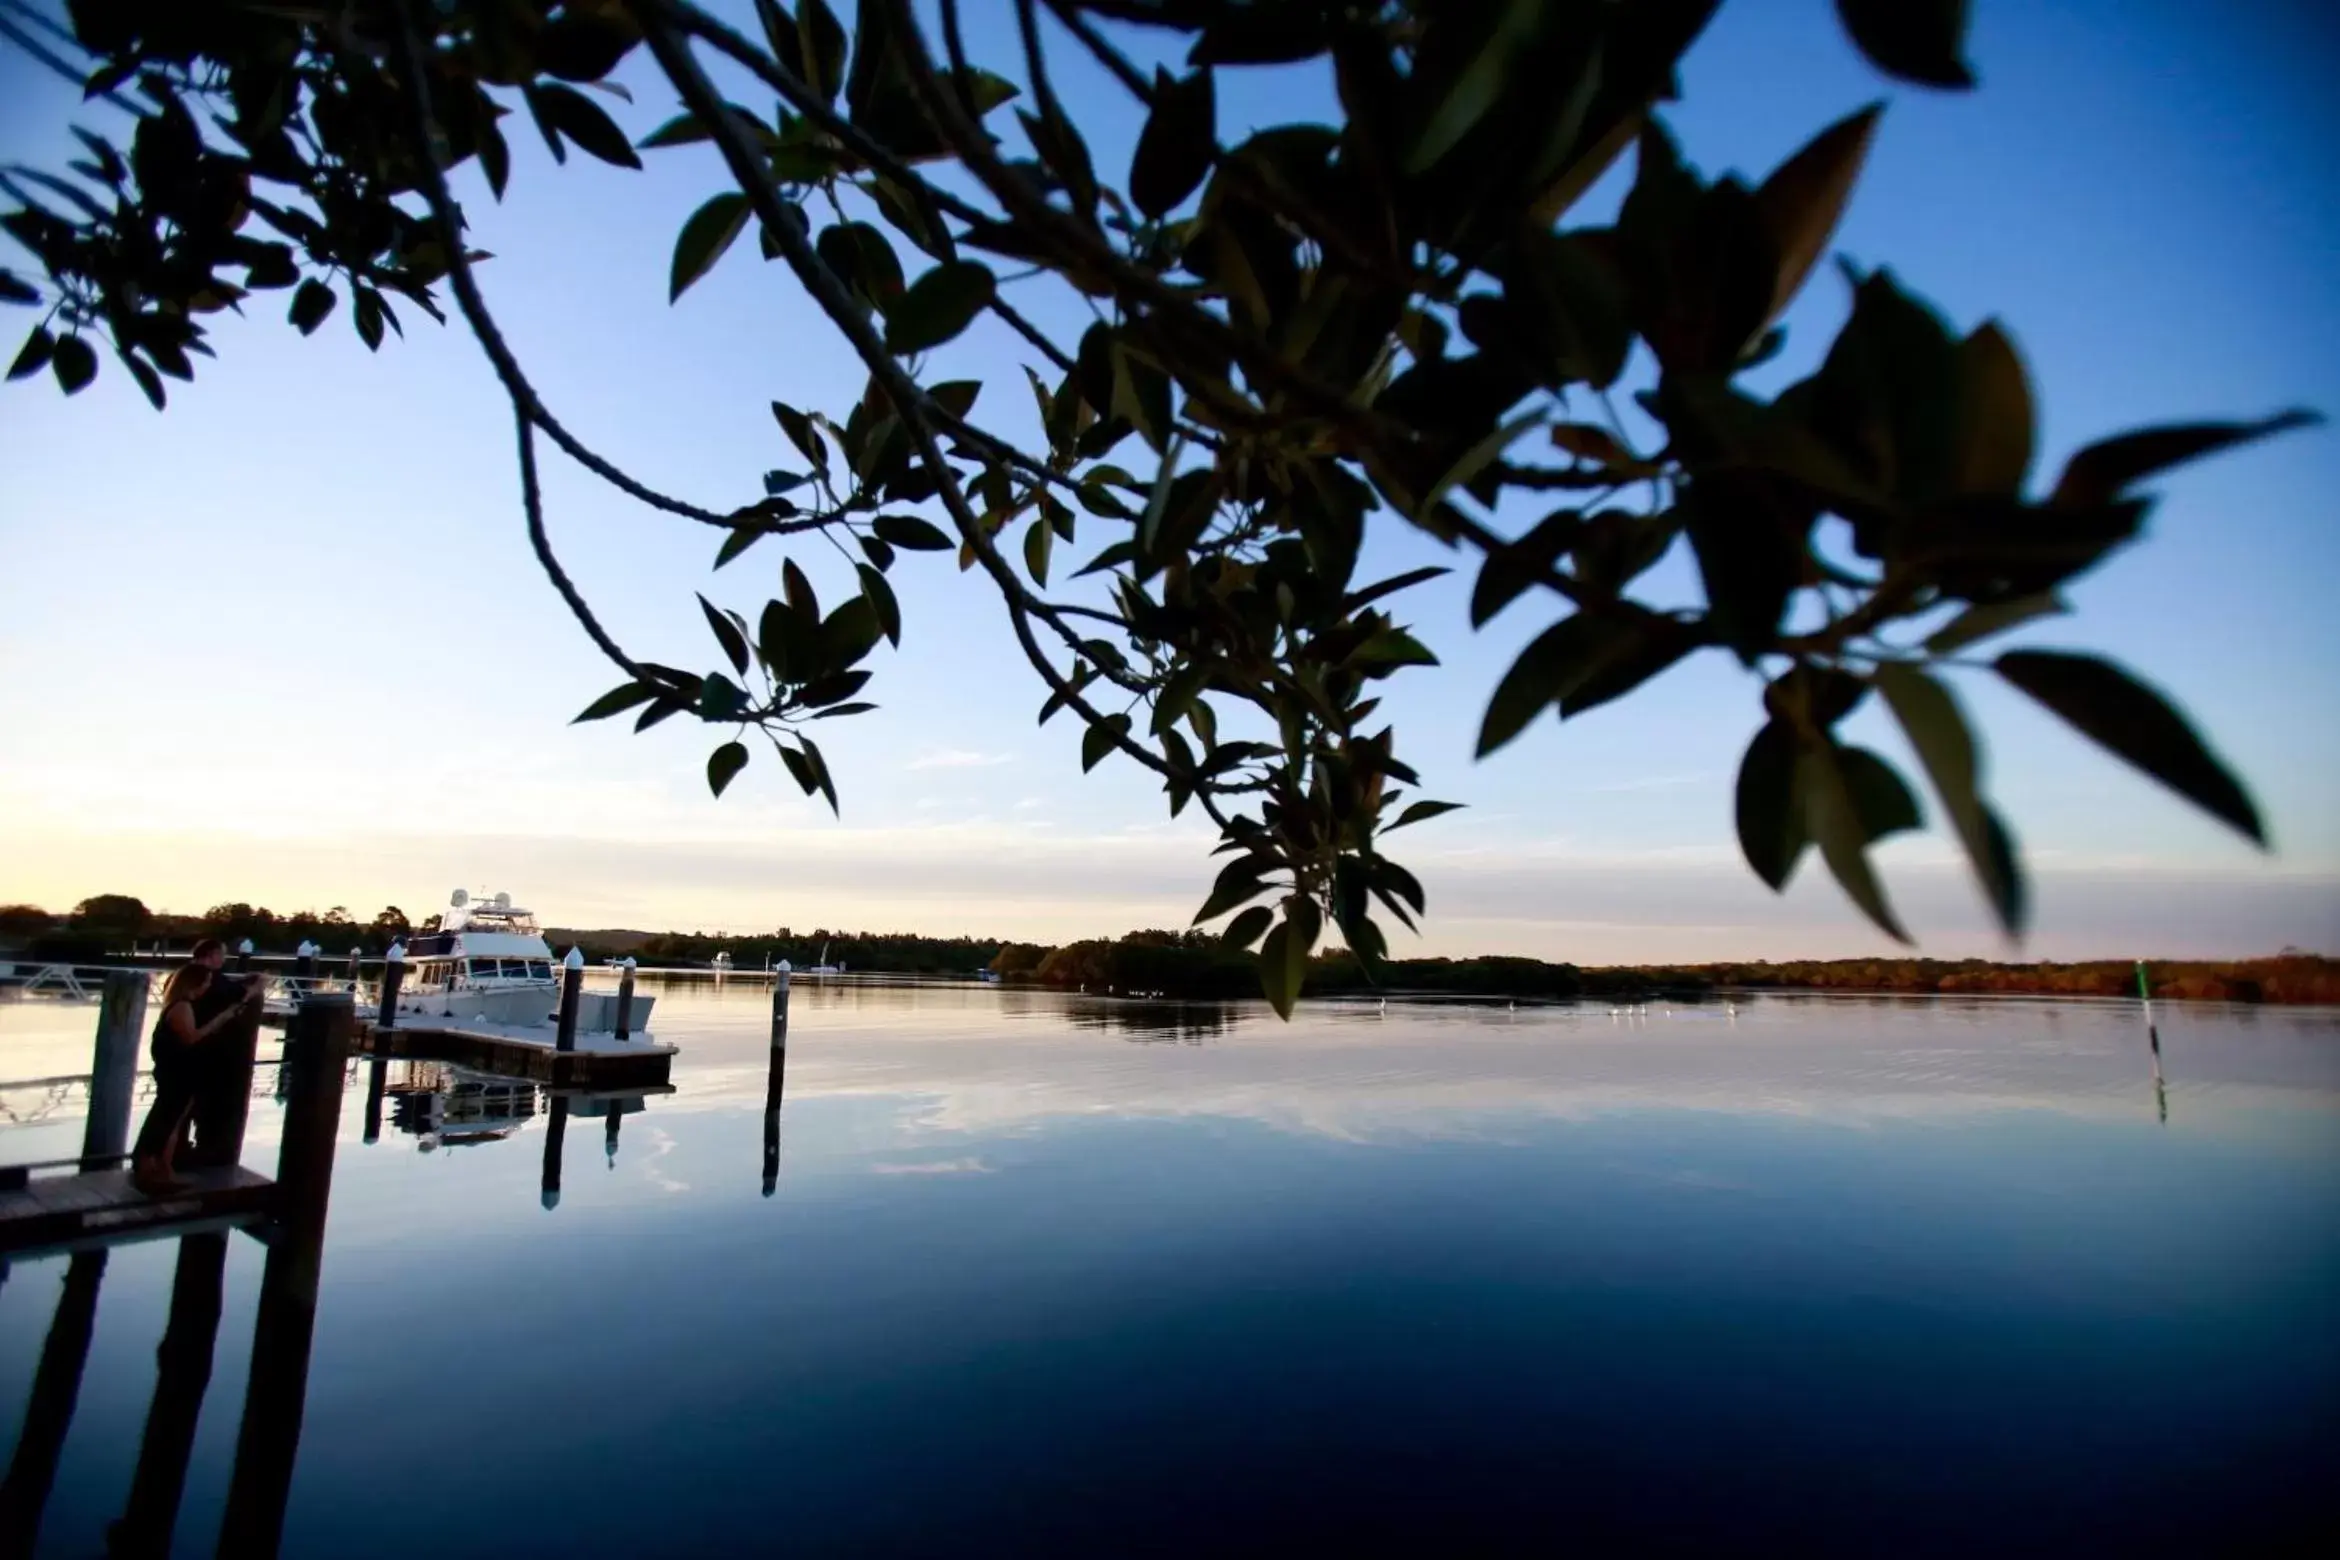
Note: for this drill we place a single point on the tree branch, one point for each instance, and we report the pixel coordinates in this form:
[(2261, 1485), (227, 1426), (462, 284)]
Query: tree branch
[(917, 408)]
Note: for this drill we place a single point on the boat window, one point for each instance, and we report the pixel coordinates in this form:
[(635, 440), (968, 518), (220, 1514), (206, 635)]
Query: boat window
[(538, 969)]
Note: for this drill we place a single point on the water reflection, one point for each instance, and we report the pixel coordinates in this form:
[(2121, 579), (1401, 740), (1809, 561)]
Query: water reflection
[(283, 1330), (1894, 1276), (1148, 1022)]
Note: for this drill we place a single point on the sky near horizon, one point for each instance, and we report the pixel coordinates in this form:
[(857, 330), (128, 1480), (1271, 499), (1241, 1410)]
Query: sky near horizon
[(284, 643)]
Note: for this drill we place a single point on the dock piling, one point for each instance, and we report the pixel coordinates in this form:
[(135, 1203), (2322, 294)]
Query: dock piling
[(625, 1002), (572, 995), (113, 1077), (780, 1007), (775, 1080), (393, 974)]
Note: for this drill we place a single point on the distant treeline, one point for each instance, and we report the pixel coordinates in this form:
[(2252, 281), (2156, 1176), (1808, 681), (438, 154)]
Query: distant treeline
[(899, 953), (1197, 965), (1188, 964)]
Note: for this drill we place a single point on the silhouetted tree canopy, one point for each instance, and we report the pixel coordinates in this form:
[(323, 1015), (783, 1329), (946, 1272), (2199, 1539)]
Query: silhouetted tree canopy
[(1397, 318)]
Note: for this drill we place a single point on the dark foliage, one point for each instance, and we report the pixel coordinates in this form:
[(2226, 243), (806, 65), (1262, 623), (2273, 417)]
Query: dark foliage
[(1399, 318)]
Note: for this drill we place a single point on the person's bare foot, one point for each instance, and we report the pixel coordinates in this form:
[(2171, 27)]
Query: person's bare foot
[(155, 1180)]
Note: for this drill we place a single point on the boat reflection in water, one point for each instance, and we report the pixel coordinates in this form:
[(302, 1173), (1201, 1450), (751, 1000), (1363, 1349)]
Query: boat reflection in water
[(443, 1106)]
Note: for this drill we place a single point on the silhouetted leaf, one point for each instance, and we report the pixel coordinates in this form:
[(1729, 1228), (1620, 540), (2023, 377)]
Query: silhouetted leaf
[(1241, 880), (728, 635), (1175, 149), (35, 355), (1845, 799), (74, 363), (911, 534), (2105, 469), (621, 698), (1246, 928), (1994, 416), (724, 763), (580, 119), (1533, 684), (1100, 740), (1418, 812), (881, 601), (311, 303), (1038, 539), (1918, 40), (1772, 829), (1937, 731), (2133, 722), (1804, 198), (938, 306), (1982, 621), (15, 289), (707, 233), (1283, 957)]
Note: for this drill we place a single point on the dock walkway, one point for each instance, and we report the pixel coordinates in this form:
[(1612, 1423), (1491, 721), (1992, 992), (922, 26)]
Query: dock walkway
[(54, 1213)]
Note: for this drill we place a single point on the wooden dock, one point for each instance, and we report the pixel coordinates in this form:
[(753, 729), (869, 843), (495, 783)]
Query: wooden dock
[(101, 1208), (530, 1052)]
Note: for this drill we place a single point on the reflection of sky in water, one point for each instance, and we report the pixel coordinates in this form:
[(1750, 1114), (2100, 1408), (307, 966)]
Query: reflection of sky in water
[(1048, 1274)]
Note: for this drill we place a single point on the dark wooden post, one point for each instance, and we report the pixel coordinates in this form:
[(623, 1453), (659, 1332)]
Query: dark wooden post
[(780, 1007), (393, 975), (182, 1377), (225, 1105), (316, 1049), (609, 1133), (355, 954), (304, 966), (625, 1005), (556, 1132), (244, 957), (775, 1078), (572, 993), (48, 1411), (113, 1072)]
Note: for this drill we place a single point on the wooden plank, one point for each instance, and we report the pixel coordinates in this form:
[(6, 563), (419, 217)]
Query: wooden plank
[(60, 1212)]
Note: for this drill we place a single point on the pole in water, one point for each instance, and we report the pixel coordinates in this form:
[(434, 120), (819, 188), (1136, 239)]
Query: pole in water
[(775, 1078), (243, 956), (2153, 1040), (393, 974), (572, 994), (625, 1002)]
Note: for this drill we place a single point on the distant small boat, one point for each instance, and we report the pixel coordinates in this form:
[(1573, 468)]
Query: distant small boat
[(824, 967)]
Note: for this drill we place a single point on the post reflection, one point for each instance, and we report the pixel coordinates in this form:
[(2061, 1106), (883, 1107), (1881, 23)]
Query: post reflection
[(48, 1413), (774, 1083), (556, 1132), (182, 1377), (284, 1324)]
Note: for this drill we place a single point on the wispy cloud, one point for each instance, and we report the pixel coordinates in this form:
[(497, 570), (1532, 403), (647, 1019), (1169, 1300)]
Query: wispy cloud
[(958, 758), (934, 1167)]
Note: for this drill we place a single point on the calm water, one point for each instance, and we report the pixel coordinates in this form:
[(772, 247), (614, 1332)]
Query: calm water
[(1043, 1275)]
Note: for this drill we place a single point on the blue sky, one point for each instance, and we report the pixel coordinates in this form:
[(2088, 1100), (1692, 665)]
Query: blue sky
[(284, 642)]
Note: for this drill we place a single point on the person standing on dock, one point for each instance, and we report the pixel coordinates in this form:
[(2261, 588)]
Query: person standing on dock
[(219, 1082), (181, 1070)]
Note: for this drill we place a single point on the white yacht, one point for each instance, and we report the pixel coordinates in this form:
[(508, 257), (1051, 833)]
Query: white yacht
[(489, 963)]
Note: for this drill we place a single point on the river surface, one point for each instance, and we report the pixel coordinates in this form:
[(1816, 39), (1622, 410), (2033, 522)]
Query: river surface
[(1043, 1275)]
